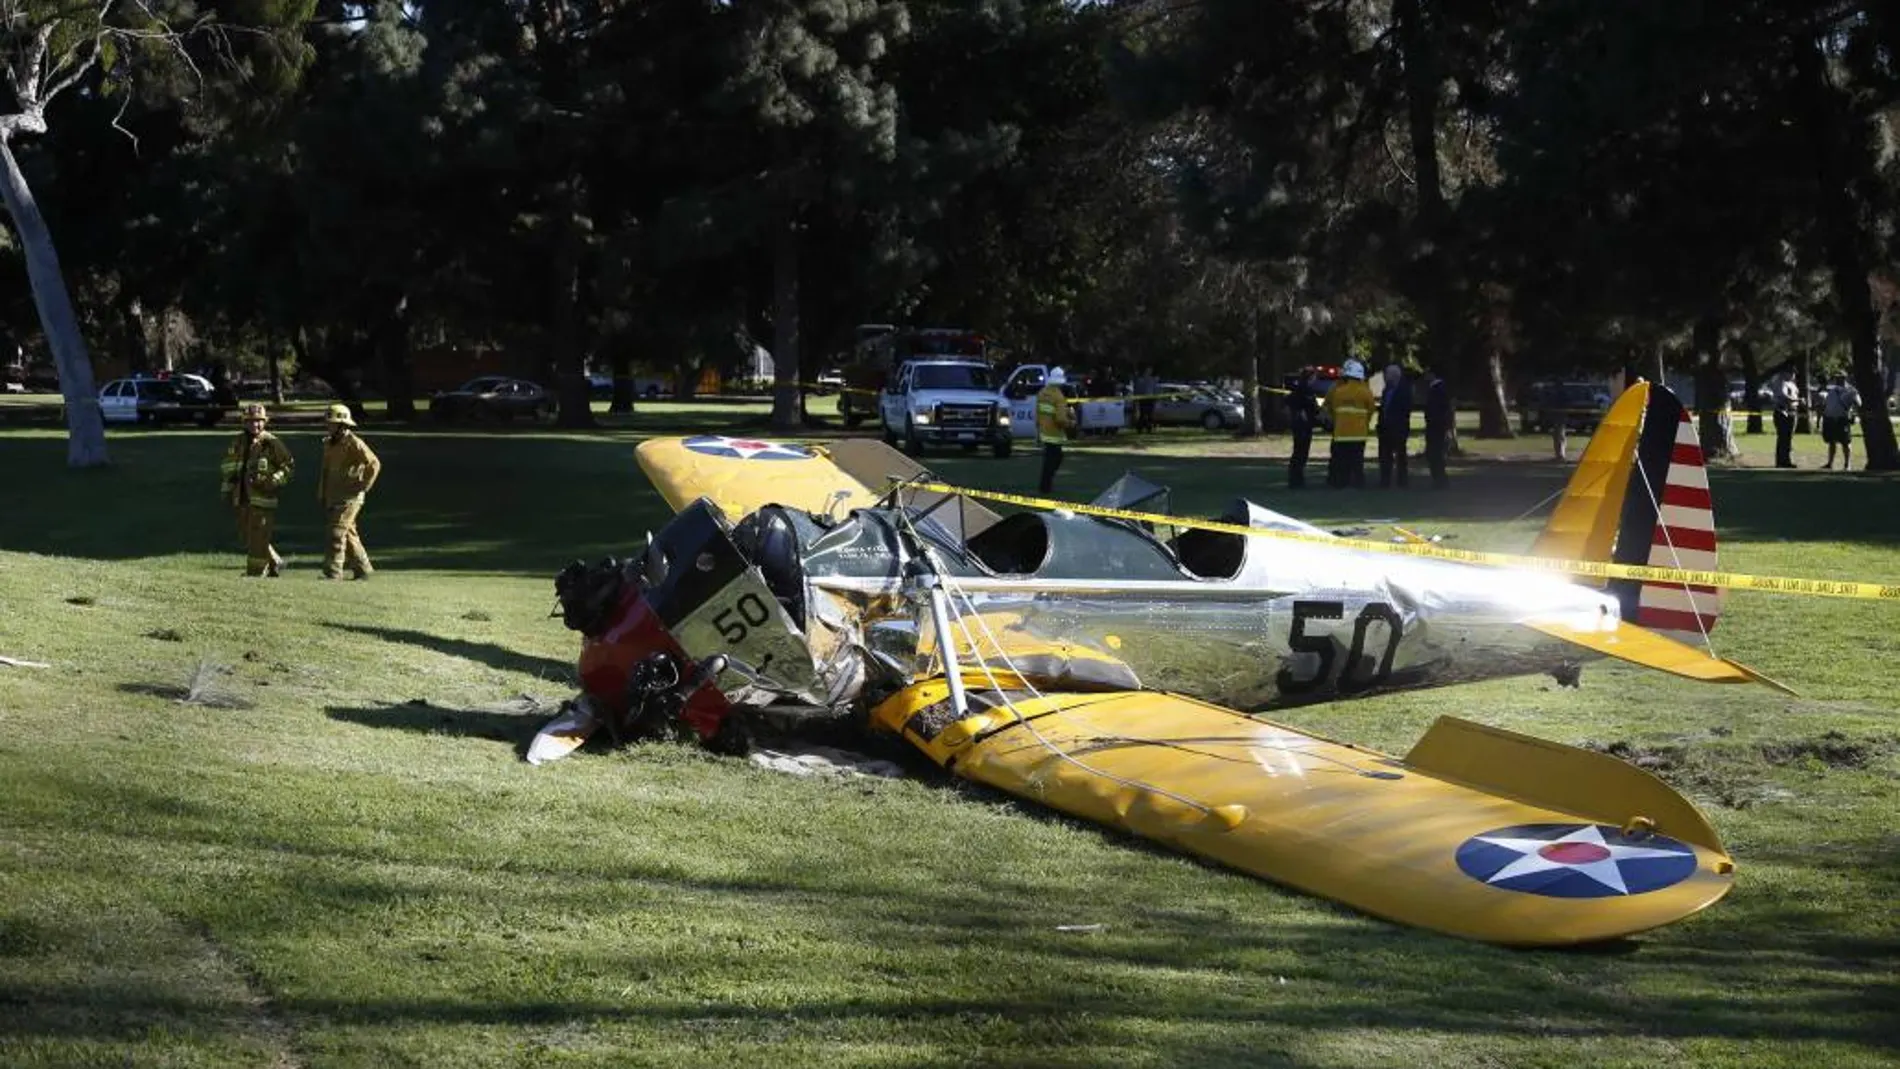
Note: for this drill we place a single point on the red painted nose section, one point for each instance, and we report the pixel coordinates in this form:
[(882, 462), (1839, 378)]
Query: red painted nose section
[(635, 634)]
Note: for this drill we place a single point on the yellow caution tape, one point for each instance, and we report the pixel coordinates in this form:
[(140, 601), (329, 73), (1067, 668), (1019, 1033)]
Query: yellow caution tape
[(1822, 588)]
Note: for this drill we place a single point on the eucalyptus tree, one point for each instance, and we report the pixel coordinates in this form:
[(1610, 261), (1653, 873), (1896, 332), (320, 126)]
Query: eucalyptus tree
[(105, 47), (1255, 116), (1025, 200), (1733, 154), (802, 109)]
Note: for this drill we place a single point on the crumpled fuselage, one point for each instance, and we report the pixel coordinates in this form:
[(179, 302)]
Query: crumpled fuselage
[(833, 614)]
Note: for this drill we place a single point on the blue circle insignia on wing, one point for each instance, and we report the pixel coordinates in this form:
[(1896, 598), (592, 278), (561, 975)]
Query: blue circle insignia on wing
[(1575, 860)]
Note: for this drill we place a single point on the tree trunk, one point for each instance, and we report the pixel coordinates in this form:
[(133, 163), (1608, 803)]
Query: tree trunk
[(138, 354), (1494, 410), (620, 362), (570, 363), (1250, 374), (1272, 413), (392, 345), (1751, 385), (1847, 254), (785, 406), (273, 361), (1711, 388), (1802, 424), (85, 427), (1431, 223)]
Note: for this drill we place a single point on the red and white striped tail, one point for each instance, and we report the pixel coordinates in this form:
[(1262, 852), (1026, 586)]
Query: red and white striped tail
[(1684, 538)]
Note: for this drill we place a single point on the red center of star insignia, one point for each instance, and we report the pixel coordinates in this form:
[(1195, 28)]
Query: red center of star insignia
[(1573, 853)]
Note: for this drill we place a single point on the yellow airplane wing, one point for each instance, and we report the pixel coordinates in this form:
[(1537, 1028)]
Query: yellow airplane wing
[(1637, 645), (742, 475), (1477, 832)]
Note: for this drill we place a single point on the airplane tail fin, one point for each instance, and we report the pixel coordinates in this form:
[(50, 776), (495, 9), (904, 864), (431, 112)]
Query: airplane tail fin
[(1640, 495), (1668, 522)]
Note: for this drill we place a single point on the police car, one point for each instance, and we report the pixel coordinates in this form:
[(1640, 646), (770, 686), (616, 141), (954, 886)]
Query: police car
[(155, 401)]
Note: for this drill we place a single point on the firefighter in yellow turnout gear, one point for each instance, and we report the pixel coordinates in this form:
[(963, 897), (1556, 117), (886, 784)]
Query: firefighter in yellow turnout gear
[(1350, 402), (349, 469), (1054, 421), (256, 465)]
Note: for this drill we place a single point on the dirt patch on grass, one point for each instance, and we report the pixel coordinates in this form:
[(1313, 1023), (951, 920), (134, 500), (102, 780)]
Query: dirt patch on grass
[(1738, 776), (1830, 750), (1732, 778)]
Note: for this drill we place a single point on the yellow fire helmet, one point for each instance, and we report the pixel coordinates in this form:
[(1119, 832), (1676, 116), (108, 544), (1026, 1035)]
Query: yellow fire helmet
[(340, 416)]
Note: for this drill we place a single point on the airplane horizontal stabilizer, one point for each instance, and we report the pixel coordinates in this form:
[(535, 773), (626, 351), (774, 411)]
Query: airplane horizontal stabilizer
[(1445, 842), (1637, 645)]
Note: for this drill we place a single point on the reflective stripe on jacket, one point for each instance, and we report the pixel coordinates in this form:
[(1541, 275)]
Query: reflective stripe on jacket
[(1350, 402), (253, 471)]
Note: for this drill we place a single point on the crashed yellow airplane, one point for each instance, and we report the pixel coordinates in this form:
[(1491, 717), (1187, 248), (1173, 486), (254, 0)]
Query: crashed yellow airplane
[(1098, 664)]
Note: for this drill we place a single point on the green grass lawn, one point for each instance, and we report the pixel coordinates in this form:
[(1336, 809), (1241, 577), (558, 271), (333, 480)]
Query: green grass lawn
[(285, 823)]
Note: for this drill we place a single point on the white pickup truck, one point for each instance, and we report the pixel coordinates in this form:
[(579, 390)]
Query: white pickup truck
[(1091, 417), (945, 402)]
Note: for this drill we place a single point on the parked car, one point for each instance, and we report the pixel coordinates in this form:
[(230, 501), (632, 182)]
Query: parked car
[(1193, 403), (155, 401), (830, 382), (492, 397), (1582, 405)]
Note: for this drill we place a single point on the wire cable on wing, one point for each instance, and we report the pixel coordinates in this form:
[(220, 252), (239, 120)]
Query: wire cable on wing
[(958, 595), (1675, 559), (956, 611)]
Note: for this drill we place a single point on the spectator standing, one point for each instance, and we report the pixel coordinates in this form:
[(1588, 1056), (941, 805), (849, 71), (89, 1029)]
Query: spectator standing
[(1302, 407), (1837, 420), (1438, 426), (1350, 403), (1786, 396), (1395, 426)]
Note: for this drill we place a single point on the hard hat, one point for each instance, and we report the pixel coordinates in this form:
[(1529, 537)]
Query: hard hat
[(255, 410), (340, 414), (1353, 370), (1057, 377)]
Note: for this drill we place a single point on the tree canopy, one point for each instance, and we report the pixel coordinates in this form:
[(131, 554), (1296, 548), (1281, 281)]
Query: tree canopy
[(384, 194)]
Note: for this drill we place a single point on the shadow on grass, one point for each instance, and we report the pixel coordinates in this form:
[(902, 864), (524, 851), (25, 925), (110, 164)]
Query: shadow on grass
[(516, 727), (525, 501), (485, 653), (503, 503), (1223, 983), (1217, 976), (214, 698)]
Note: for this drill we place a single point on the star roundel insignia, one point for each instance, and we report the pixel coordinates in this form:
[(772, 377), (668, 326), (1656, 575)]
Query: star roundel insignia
[(718, 445), (1575, 860)]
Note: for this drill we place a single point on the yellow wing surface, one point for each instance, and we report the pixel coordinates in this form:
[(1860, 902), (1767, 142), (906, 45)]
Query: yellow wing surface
[(742, 475), (1477, 832)]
